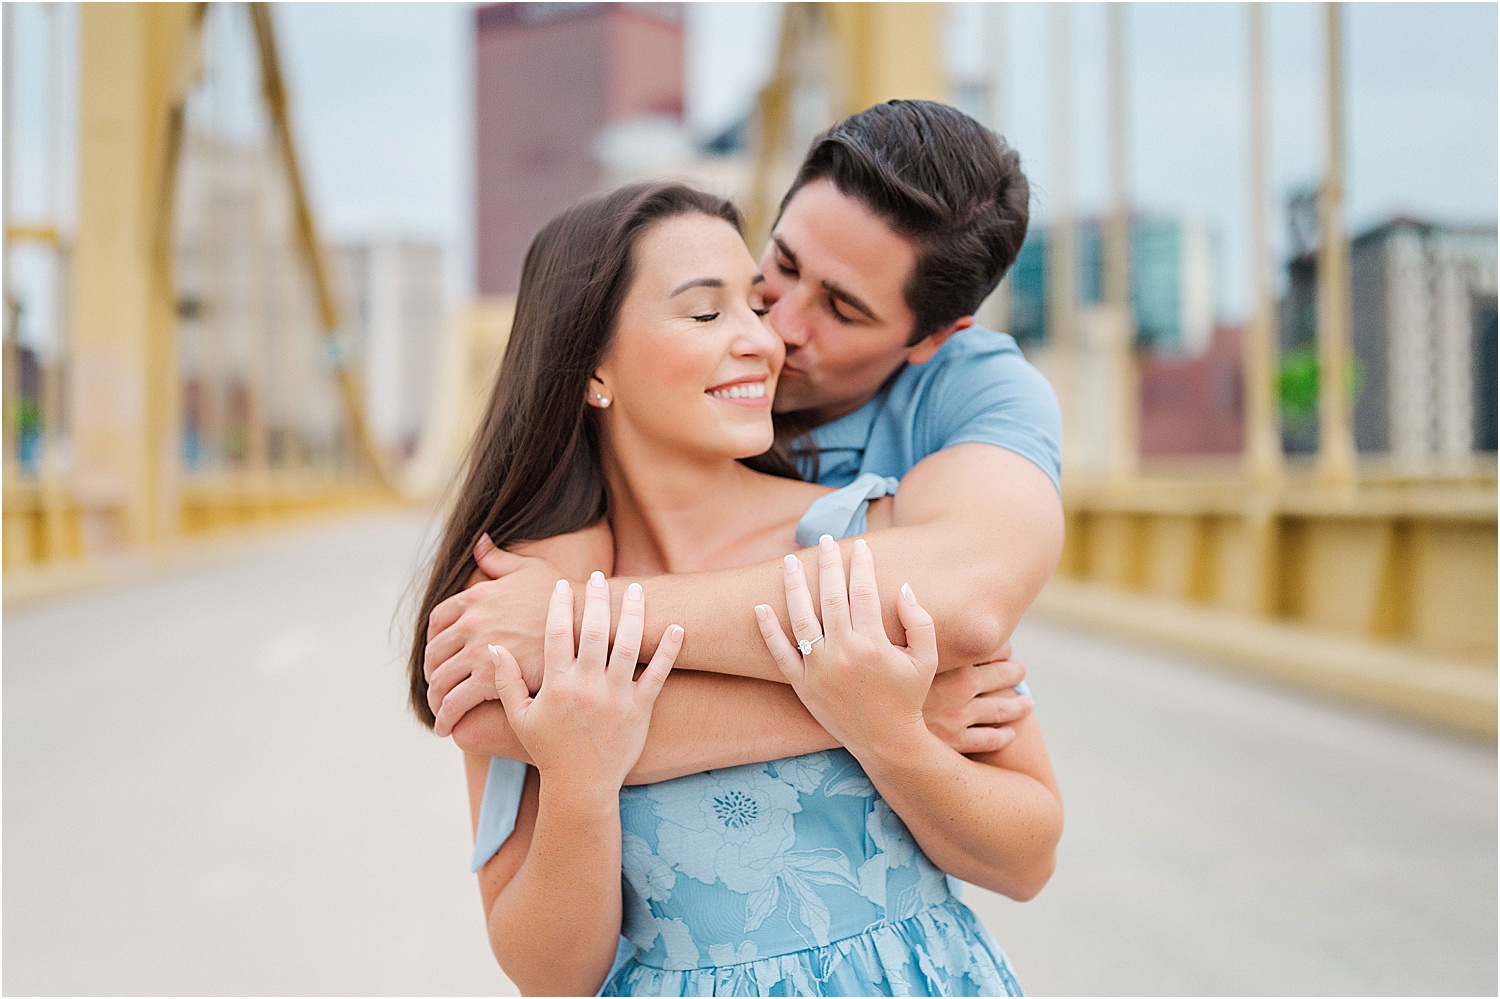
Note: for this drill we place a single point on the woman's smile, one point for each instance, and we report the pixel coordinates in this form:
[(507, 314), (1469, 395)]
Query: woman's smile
[(750, 393)]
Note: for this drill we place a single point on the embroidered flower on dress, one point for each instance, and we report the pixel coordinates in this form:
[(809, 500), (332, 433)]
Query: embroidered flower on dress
[(722, 954), (804, 773), (890, 834), (732, 826)]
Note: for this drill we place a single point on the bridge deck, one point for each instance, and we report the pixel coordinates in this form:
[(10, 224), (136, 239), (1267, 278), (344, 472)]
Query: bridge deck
[(211, 786)]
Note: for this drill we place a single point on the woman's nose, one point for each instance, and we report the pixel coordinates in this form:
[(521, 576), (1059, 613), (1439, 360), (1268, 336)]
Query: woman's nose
[(757, 338)]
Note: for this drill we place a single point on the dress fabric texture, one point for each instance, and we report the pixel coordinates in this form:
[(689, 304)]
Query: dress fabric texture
[(792, 877)]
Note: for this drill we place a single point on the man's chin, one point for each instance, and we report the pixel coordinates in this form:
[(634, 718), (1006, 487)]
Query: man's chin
[(789, 400)]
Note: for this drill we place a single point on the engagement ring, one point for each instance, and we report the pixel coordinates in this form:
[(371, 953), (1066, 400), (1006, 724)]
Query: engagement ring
[(805, 646)]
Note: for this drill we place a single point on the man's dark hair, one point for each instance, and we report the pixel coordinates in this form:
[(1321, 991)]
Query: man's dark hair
[(944, 181)]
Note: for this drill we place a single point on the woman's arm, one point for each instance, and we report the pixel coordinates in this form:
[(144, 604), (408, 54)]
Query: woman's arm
[(704, 721), (551, 893), (701, 722), (995, 823)]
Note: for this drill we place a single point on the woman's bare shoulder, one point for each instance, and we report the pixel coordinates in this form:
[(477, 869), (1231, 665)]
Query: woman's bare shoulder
[(579, 552)]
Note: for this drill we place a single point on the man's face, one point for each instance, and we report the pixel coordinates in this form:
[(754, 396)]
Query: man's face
[(834, 274)]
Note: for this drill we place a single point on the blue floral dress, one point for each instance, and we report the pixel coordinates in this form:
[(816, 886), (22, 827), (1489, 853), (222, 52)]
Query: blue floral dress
[(792, 877), (786, 878)]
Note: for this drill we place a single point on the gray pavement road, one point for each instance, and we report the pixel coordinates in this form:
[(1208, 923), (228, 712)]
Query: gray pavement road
[(211, 786)]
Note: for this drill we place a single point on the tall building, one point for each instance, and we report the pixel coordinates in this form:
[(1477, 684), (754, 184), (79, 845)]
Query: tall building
[(1424, 340), (258, 390), (392, 293), (551, 79), (1172, 267)]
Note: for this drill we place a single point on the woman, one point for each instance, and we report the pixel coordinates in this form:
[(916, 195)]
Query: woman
[(637, 380)]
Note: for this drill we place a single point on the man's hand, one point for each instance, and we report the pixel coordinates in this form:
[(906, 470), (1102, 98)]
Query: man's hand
[(505, 604), (510, 611), (973, 709)]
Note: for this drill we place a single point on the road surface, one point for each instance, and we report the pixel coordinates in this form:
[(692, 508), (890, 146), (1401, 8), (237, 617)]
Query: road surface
[(211, 785)]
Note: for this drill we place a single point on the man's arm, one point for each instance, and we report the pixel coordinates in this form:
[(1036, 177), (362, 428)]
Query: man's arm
[(700, 722), (704, 721), (976, 531)]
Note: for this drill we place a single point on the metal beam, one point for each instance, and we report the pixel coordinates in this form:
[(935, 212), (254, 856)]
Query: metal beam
[(125, 394), (886, 51), (1125, 449), (1262, 441), (1335, 430), (273, 88)]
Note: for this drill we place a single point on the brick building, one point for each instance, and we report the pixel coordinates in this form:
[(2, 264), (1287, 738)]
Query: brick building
[(550, 78), (1194, 405)]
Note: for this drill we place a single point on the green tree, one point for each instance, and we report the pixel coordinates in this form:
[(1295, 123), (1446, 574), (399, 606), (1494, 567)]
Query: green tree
[(1298, 386)]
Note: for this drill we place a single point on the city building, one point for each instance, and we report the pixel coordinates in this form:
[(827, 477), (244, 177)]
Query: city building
[(258, 390), (391, 290), (1194, 405), (1424, 318), (1172, 267), (563, 90)]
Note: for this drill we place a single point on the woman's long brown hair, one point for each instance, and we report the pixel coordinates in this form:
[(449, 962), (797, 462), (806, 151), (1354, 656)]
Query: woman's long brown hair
[(534, 470)]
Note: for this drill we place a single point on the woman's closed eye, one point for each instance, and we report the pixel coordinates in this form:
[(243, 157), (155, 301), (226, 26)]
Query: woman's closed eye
[(706, 317)]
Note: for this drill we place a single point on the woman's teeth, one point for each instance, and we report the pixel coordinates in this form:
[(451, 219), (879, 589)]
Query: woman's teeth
[(753, 390)]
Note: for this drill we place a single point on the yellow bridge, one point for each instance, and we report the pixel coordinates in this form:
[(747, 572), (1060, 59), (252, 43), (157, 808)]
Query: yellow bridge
[(1364, 581)]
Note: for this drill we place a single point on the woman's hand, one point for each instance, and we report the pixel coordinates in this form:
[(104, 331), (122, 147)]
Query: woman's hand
[(587, 724), (865, 691)]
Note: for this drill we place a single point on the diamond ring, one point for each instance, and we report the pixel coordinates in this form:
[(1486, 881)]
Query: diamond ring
[(805, 646)]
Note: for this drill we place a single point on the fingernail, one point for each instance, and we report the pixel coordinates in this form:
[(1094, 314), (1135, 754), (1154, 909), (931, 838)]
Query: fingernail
[(596, 578), (860, 547), (907, 593), (826, 543), (791, 564), (485, 544), (562, 586), (1026, 700), (676, 632), (496, 654), (633, 591), (760, 612)]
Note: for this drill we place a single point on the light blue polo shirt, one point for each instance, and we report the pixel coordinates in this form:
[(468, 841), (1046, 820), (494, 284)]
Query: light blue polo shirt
[(977, 388)]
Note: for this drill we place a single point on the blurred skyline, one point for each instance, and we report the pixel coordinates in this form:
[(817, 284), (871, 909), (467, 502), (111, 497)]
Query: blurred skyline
[(383, 105)]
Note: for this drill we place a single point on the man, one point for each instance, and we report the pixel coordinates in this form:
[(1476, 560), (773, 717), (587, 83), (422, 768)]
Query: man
[(901, 220)]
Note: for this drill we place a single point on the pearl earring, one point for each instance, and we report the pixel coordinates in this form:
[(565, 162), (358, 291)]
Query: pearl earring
[(603, 401)]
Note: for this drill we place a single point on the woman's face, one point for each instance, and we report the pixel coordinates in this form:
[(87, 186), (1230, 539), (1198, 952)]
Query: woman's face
[(693, 366)]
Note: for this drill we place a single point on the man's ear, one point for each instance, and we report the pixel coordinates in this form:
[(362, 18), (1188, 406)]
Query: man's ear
[(921, 352)]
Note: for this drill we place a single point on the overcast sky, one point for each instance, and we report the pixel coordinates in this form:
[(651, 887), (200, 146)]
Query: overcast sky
[(382, 98)]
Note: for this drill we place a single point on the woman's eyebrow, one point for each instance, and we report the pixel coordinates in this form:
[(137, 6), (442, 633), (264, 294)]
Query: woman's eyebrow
[(706, 282)]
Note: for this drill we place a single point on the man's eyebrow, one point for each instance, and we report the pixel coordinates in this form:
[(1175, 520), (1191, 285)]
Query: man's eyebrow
[(852, 300), (786, 251), (705, 282)]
